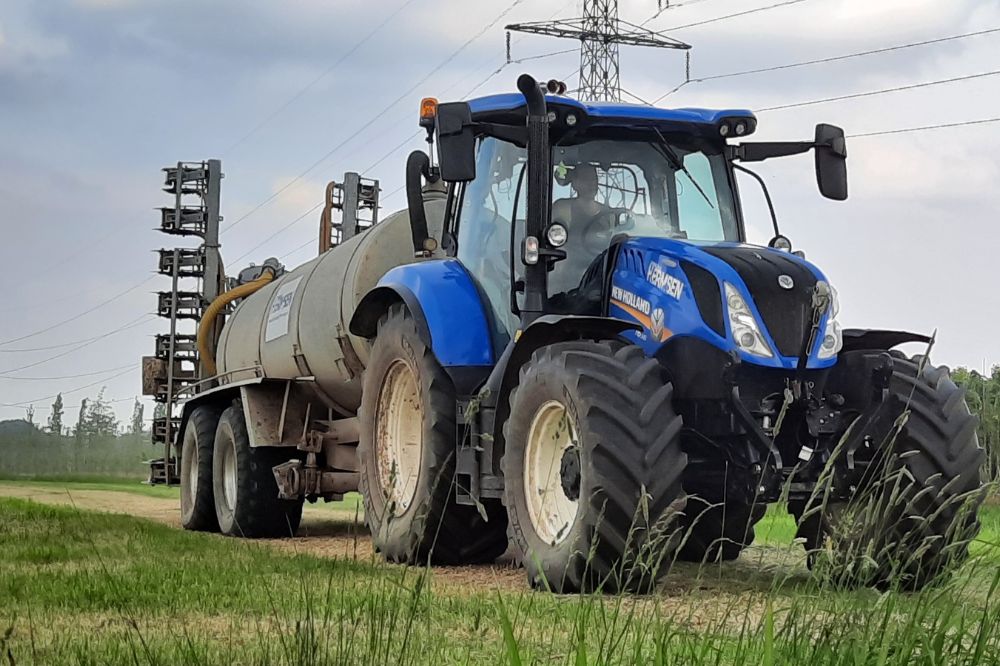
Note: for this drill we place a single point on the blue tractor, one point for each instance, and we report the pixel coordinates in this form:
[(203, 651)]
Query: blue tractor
[(602, 375)]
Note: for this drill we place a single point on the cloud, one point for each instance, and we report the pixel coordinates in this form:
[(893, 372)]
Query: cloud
[(103, 93)]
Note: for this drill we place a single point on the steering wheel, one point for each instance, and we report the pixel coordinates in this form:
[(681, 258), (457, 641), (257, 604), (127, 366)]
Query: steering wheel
[(596, 239)]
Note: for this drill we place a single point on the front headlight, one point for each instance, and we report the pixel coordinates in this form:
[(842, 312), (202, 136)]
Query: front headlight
[(833, 340), (744, 326)]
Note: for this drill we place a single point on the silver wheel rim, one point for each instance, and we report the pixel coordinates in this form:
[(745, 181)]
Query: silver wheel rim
[(229, 476), (551, 512), (192, 474), (398, 437)]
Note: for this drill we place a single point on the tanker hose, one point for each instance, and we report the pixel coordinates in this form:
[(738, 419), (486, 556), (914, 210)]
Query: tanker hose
[(213, 310)]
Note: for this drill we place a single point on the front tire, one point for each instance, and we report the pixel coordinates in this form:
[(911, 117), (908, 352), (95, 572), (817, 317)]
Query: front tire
[(718, 530), (407, 456), (592, 468), (197, 494), (246, 494), (912, 518)]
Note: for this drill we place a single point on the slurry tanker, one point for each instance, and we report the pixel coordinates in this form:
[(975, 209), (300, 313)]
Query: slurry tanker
[(566, 347)]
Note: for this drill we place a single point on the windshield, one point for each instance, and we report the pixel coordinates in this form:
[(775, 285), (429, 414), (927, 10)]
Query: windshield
[(664, 187), (644, 188)]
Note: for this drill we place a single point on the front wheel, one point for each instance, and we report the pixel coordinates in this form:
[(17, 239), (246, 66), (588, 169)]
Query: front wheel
[(592, 468), (914, 511)]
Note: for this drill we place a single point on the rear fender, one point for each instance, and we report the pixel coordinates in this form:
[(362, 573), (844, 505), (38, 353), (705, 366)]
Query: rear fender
[(443, 299)]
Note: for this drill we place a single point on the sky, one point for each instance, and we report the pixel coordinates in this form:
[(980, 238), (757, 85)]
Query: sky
[(96, 96)]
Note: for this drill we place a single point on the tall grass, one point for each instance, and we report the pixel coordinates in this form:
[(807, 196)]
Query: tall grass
[(84, 588)]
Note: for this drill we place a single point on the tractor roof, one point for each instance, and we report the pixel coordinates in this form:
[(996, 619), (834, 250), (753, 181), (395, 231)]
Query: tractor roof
[(497, 108)]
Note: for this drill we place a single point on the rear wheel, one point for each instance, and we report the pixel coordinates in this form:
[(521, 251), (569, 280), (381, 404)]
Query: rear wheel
[(592, 468), (197, 496), (246, 494), (407, 456), (914, 511)]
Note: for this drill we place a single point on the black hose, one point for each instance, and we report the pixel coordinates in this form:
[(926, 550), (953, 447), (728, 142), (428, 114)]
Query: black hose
[(532, 94), (418, 167)]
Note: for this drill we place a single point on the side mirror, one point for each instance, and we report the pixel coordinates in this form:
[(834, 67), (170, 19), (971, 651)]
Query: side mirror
[(456, 142), (831, 162)]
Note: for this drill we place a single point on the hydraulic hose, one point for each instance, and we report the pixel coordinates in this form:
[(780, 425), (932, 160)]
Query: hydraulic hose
[(212, 312)]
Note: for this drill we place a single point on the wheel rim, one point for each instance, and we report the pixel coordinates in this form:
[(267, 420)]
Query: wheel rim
[(229, 476), (551, 437), (192, 475), (398, 437)]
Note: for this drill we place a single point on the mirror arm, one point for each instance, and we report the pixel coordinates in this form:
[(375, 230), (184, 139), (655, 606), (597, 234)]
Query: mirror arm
[(760, 151)]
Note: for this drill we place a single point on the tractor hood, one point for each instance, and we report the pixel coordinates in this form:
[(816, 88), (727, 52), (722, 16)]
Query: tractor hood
[(679, 288)]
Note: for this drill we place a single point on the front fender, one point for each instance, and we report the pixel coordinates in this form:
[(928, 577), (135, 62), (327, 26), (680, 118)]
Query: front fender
[(443, 299)]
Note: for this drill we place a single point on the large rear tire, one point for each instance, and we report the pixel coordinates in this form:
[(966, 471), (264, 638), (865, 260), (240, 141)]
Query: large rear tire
[(592, 468), (407, 456), (246, 494), (911, 520), (197, 494)]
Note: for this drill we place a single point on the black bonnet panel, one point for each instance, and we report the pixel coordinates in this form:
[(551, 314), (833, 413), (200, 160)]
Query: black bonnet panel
[(786, 312), (707, 295)]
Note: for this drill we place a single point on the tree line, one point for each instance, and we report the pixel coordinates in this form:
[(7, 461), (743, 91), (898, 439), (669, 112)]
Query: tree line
[(95, 418), (982, 392)]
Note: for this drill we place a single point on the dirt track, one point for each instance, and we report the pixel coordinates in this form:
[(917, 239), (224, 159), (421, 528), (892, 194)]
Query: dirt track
[(331, 533), (325, 532)]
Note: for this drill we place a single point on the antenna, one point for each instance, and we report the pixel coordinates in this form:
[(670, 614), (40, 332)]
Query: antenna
[(600, 32)]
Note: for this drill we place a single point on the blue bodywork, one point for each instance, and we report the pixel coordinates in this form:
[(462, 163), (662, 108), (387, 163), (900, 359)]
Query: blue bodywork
[(452, 308), (450, 305), (611, 110), (681, 316)]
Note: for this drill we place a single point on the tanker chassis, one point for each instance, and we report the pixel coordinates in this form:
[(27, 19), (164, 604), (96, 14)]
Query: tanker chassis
[(565, 347)]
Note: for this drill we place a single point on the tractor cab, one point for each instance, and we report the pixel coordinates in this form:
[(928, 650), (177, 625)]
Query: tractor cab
[(617, 183), (612, 176)]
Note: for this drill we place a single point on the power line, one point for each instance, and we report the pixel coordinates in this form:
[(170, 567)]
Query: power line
[(81, 314), (820, 61), (26, 403), (668, 6), (883, 91), (964, 123), (76, 342), (386, 156), (319, 78), (518, 61), (376, 117), (279, 231), (130, 325), (736, 15), (82, 374)]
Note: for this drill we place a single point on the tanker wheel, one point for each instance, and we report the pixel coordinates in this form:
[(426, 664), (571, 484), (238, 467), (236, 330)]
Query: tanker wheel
[(913, 514), (592, 469), (406, 455), (197, 495), (246, 494), (717, 530)]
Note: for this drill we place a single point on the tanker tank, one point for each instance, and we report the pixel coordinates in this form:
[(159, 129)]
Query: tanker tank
[(297, 326)]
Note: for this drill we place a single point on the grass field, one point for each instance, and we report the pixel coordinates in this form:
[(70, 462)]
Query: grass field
[(91, 588)]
